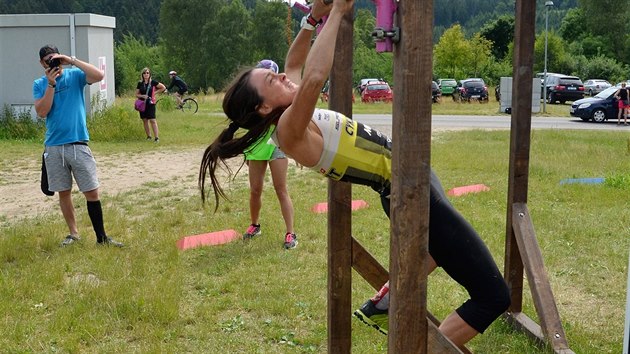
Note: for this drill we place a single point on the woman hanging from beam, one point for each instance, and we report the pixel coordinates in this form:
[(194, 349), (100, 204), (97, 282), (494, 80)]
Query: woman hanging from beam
[(345, 150)]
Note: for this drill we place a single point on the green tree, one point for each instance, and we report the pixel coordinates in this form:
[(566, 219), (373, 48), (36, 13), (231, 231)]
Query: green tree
[(130, 56), (480, 55), (270, 43), (602, 67), (188, 40), (609, 19), (452, 53), (501, 33), (368, 63), (364, 24), (558, 60), (572, 26), (232, 40)]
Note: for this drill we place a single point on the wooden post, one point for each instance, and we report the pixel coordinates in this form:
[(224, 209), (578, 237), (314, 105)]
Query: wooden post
[(521, 247), (411, 166), (522, 73), (339, 200)]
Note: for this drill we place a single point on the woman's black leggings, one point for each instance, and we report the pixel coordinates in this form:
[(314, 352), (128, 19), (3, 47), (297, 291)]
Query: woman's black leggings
[(457, 248)]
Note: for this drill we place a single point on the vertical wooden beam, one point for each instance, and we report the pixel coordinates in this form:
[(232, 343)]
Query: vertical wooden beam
[(339, 200), (521, 247), (410, 168), (522, 73)]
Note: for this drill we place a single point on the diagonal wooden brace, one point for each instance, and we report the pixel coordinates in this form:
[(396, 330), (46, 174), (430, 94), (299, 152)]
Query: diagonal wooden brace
[(544, 302)]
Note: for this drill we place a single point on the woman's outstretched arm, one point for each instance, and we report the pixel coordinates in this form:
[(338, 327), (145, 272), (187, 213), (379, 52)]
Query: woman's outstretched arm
[(296, 56), (294, 121)]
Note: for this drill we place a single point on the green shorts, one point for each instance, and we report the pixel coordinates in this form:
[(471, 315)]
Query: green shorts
[(264, 152)]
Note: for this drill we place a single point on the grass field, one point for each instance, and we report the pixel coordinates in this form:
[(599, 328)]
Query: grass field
[(254, 297)]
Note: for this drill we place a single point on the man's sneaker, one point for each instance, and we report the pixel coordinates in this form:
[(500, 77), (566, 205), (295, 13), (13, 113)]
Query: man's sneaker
[(290, 240), (373, 317), (252, 230), (109, 242), (157, 140), (149, 138), (70, 240)]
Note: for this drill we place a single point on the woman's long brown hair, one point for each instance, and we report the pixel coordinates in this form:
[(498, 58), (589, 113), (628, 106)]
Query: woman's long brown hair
[(239, 104)]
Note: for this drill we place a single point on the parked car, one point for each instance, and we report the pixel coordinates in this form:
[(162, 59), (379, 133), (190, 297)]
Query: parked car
[(436, 93), (598, 108), (541, 76), (563, 88), (325, 95), (377, 91), (363, 82), (595, 86), (447, 86), (471, 89)]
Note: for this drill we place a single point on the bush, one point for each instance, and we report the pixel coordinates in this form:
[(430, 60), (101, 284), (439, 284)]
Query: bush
[(115, 123), (104, 123), (603, 68), (131, 55), (21, 126)]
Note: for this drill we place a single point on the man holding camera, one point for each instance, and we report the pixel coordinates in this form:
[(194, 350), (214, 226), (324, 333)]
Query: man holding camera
[(59, 98)]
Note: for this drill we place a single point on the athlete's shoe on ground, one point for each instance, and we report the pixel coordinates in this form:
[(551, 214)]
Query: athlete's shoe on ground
[(109, 242), (373, 317), (70, 240), (252, 230), (290, 241)]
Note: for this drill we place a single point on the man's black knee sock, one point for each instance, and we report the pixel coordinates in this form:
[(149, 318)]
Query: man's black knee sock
[(96, 216)]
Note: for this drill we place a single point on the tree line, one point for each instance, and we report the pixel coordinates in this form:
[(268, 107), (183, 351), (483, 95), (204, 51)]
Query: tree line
[(206, 41)]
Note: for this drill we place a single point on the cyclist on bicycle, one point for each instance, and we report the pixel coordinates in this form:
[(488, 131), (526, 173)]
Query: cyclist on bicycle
[(182, 88)]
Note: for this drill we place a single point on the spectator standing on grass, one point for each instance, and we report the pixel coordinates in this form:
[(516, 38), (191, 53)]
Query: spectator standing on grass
[(622, 103), (343, 149), (59, 98), (146, 89), (258, 156)]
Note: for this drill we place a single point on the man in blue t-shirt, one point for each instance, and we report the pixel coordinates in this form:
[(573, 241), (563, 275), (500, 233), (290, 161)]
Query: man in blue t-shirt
[(59, 99)]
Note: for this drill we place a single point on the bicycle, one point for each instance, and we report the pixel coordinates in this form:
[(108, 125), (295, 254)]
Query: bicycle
[(166, 103)]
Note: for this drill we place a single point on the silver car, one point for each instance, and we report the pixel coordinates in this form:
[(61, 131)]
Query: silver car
[(595, 86)]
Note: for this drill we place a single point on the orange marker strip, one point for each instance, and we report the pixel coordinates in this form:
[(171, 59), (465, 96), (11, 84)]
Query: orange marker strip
[(209, 239), (323, 207), (475, 188)]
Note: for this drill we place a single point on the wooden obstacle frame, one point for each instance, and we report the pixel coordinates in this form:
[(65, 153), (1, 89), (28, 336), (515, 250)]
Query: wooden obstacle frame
[(411, 32)]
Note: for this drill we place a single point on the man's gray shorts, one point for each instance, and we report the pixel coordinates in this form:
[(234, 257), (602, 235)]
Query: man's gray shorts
[(63, 161)]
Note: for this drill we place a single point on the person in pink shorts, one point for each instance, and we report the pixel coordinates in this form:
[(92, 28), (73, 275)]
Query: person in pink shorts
[(622, 103)]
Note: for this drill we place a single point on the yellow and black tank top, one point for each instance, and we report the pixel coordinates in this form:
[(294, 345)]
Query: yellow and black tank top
[(353, 152)]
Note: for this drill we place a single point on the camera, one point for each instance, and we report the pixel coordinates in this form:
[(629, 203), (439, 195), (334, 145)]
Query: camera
[(53, 62)]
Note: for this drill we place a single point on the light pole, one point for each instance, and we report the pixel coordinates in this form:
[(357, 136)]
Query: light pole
[(548, 4)]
